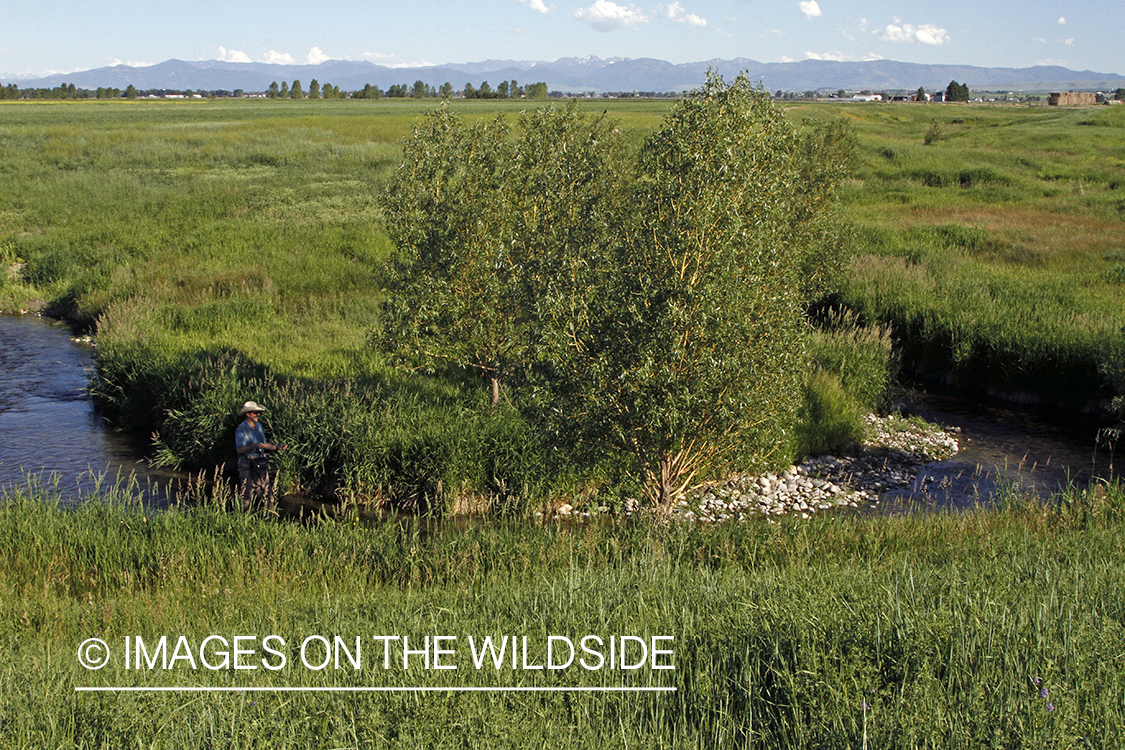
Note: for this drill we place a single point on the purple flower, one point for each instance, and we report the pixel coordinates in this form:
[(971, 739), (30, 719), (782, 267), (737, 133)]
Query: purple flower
[(865, 706), (1044, 693), (1050, 706), (1036, 680)]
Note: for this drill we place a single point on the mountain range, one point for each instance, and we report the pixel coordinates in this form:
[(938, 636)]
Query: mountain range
[(586, 74)]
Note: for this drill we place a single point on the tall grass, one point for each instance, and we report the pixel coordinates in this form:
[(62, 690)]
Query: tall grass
[(852, 370), (992, 628), (992, 251)]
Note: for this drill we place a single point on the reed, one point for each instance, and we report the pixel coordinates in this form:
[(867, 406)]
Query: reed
[(979, 629)]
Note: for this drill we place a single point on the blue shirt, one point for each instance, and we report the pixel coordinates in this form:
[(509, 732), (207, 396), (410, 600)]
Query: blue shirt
[(245, 434)]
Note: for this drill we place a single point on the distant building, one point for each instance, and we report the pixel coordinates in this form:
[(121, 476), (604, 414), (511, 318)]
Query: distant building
[(1072, 99)]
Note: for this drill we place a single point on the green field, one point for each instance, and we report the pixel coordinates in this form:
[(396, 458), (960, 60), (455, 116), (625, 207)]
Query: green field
[(225, 250), (997, 251)]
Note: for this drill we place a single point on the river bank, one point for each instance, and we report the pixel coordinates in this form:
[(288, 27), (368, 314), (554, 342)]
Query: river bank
[(955, 454)]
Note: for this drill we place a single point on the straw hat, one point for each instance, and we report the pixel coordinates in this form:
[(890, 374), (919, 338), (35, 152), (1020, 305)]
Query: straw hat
[(251, 406)]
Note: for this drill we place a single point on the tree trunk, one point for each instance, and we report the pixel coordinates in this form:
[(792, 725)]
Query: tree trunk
[(667, 474), (494, 384)]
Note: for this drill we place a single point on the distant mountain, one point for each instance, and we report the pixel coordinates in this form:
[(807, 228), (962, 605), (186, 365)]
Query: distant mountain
[(576, 75)]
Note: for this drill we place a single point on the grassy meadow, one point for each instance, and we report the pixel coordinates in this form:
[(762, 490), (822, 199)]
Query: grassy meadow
[(226, 250), (992, 240)]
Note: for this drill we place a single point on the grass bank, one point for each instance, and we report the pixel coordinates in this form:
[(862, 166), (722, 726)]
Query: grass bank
[(999, 628), (992, 240)]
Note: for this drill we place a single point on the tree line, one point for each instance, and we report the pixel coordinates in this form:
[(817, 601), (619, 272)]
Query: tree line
[(294, 90), (70, 91), (422, 90)]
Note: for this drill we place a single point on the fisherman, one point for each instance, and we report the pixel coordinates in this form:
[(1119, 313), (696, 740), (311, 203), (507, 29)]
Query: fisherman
[(253, 461)]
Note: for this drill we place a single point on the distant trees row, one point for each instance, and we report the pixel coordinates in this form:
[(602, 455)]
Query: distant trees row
[(62, 91), (286, 90), (505, 90), (954, 92), (70, 91), (423, 90)]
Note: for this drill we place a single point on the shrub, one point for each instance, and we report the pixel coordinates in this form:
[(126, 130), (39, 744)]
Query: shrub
[(690, 351), (831, 420)]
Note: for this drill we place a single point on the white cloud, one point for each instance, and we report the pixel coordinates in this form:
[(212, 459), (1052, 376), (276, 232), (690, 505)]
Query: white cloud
[(1062, 21), (315, 56), (536, 5), (1039, 39), (114, 62), (279, 58), (675, 12), (810, 8), (907, 33), (604, 15), (1068, 42), (839, 57), (393, 61), (233, 55)]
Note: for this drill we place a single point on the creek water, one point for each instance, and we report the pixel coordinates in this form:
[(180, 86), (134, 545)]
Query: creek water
[(50, 434), (1039, 450)]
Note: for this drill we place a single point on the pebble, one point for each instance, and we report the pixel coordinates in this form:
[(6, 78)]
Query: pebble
[(892, 454)]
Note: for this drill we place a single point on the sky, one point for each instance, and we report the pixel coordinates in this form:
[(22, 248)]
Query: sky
[(64, 36)]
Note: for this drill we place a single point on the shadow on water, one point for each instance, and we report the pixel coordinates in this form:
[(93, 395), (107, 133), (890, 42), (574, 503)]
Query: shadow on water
[(1034, 450)]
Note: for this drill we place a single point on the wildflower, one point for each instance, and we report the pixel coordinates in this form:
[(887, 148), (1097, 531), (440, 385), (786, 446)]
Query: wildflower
[(1050, 706), (865, 706), (1044, 693)]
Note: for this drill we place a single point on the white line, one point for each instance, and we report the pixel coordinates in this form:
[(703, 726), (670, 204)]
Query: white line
[(267, 689)]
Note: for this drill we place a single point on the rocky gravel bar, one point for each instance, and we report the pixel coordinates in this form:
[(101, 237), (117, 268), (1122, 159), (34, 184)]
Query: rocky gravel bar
[(894, 451)]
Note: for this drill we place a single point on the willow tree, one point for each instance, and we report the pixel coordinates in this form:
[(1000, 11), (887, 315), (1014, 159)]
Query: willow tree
[(487, 224), (691, 350)]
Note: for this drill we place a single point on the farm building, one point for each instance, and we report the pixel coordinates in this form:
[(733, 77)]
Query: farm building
[(1071, 98)]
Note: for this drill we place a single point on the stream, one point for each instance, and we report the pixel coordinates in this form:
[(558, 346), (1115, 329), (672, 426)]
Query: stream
[(51, 435), (1037, 449)]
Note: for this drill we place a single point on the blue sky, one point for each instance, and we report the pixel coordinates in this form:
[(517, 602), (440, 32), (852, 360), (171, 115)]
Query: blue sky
[(57, 36)]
